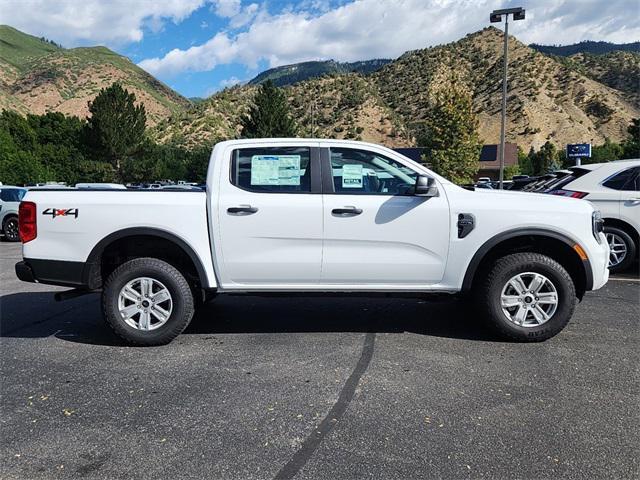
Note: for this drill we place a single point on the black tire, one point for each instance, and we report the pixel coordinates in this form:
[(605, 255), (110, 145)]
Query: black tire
[(10, 229), (631, 246), (489, 291), (175, 283)]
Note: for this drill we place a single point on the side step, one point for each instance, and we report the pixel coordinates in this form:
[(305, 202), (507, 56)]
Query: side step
[(69, 294)]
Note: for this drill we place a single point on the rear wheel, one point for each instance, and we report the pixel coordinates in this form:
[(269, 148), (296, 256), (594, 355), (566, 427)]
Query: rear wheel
[(10, 229), (527, 297), (147, 302), (622, 249)]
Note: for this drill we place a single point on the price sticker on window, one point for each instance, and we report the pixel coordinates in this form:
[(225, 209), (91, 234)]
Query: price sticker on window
[(352, 176), (275, 170)]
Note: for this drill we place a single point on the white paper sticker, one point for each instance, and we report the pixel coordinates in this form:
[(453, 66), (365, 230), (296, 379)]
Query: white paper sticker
[(275, 170), (352, 176)]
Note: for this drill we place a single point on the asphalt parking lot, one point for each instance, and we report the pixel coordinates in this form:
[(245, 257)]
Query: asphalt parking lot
[(316, 388)]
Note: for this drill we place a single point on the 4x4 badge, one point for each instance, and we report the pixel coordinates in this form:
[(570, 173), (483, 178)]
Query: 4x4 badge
[(61, 212)]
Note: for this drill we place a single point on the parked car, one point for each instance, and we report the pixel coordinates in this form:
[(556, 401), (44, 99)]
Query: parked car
[(614, 189), (300, 216), (10, 198)]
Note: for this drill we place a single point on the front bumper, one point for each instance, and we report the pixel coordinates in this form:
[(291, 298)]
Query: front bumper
[(599, 260)]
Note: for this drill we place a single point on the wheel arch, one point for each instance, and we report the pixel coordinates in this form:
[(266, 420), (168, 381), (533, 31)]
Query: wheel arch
[(93, 273), (549, 242)]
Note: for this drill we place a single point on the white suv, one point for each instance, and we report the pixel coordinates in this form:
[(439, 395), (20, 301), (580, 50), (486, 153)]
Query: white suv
[(614, 189)]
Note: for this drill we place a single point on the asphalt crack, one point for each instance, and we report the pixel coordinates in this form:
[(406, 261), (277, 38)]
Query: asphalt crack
[(313, 441)]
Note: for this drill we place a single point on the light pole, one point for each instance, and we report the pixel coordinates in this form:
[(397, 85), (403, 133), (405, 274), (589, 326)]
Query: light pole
[(496, 16)]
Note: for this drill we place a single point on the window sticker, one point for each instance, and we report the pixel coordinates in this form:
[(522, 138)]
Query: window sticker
[(275, 170), (352, 176)]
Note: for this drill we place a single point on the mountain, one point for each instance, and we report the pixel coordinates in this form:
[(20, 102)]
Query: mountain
[(333, 106), (290, 74), (550, 98), (589, 46), (580, 97), (37, 76), (618, 69)]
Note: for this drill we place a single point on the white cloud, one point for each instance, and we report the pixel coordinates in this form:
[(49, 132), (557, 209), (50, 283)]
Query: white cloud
[(229, 82), (75, 22), (366, 29), (227, 8), (245, 16)]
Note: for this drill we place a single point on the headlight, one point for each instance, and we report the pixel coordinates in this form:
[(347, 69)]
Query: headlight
[(597, 224)]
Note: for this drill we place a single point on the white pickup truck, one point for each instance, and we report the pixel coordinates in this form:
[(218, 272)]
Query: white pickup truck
[(293, 216)]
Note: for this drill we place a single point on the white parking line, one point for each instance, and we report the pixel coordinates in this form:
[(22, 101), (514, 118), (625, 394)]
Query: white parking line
[(625, 279)]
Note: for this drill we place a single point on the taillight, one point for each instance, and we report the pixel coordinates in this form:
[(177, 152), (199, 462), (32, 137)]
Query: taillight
[(27, 225), (569, 193)]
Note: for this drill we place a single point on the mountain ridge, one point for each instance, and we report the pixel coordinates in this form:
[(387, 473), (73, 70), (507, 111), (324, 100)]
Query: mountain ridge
[(586, 46)]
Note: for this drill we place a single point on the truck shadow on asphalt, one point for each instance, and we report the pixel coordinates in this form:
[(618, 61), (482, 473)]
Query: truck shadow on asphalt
[(37, 315)]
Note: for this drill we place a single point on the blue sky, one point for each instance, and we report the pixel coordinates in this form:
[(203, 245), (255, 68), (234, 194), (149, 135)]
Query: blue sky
[(200, 46)]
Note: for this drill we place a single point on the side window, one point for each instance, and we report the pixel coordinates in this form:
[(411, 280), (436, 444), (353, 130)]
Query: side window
[(272, 169), (360, 172), (623, 180)]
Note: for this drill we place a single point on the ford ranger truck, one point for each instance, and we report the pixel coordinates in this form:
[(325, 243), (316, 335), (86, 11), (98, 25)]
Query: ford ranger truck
[(295, 216)]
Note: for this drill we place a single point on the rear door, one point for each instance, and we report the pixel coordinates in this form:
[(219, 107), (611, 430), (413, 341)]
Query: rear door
[(376, 232), (270, 218)]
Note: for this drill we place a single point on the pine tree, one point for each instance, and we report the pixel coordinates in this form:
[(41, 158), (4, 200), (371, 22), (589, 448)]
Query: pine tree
[(269, 116), (116, 128), (451, 131)]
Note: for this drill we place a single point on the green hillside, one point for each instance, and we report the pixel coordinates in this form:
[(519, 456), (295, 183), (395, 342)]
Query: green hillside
[(20, 49), (37, 76)]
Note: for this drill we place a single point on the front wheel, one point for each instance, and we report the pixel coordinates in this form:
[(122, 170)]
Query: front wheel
[(527, 297), (622, 249), (147, 301), (10, 229)]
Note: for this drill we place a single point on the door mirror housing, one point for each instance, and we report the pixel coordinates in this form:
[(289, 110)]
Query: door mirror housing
[(425, 187)]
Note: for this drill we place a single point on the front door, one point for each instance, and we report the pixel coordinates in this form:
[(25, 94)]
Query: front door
[(376, 233), (270, 218)]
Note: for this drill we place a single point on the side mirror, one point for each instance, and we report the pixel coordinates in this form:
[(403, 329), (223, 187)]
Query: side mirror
[(425, 187)]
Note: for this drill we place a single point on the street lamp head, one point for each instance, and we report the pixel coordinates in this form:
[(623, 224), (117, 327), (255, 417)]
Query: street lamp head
[(496, 15)]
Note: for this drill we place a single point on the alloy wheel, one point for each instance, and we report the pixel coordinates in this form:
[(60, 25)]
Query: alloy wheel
[(145, 303), (529, 299), (617, 249)]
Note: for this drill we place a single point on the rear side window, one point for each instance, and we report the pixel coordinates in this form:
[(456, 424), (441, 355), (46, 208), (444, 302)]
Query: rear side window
[(624, 180), (12, 194), (272, 169)]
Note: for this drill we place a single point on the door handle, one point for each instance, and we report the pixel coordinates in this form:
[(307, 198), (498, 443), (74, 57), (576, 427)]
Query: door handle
[(242, 210), (346, 211)]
